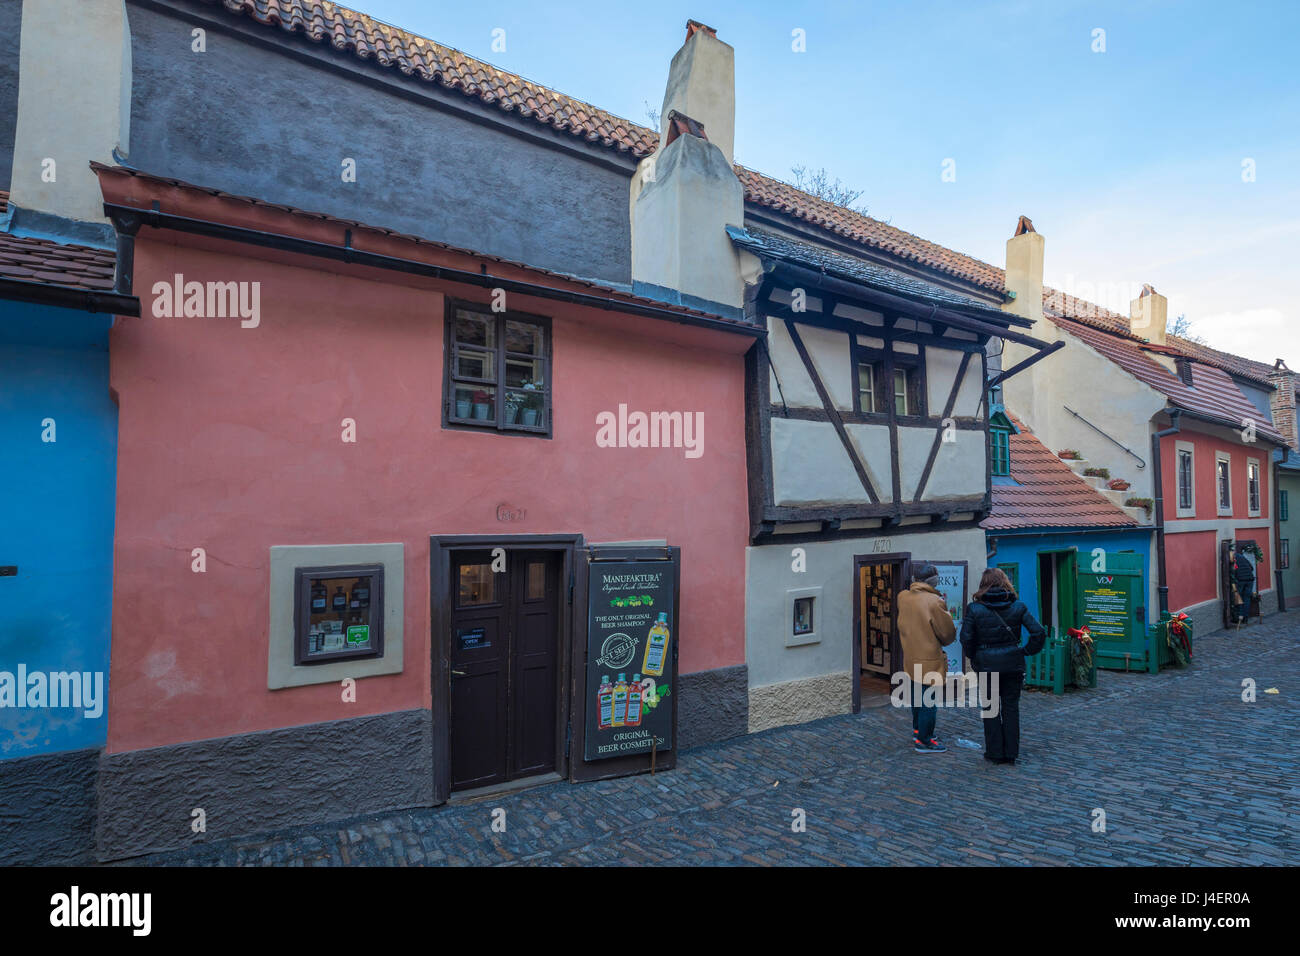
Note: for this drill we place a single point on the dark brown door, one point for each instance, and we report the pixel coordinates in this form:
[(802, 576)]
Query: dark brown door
[(504, 649)]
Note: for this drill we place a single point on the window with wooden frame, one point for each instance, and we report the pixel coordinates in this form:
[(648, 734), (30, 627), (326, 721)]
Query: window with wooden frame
[(1252, 487), (1185, 501), (1223, 482), (497, 370), (338, 613), (1000, 452), (1283, 507), (879, 391), (1284, 553)]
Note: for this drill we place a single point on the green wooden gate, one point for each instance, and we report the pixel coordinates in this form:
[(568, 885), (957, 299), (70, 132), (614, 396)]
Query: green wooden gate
[(1107, 600)]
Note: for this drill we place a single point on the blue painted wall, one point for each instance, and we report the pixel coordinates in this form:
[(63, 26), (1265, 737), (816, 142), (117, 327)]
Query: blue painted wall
[(1023, 549), (56, 515)]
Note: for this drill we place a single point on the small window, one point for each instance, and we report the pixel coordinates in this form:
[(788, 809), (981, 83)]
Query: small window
[(535, 584), (497, 371), (900, 391), (1284, 553), (477, 585), (866, 386), (1283, 507), (1012, 571), (1000, 451), (803, 615), (1222, 470), (1184, 479), (339, 613), (1252, 487)]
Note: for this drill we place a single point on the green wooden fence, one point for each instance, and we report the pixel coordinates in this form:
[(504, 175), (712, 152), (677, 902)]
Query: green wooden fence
[(1050, 667)]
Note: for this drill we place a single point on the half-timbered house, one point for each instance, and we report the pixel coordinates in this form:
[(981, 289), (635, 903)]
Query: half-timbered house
[(868, 451)]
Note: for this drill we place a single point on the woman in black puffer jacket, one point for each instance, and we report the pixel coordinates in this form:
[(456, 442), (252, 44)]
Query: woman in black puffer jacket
[(990, 640)]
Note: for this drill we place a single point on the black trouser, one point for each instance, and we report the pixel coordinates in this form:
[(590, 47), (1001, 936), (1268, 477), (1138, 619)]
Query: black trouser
[(1002, 732), (1244, 591)]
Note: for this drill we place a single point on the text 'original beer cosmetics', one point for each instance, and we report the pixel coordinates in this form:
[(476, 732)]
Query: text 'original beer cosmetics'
[(656, 647), (605, 703)]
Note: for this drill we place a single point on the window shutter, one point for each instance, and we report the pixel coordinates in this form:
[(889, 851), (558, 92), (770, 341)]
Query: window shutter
[(915, 401)]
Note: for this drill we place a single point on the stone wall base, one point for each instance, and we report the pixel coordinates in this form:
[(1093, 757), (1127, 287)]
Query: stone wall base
[(799, 701)]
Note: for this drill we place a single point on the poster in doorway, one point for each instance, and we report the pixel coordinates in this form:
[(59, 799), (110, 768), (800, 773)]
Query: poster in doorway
[(952, 585), (630, 658)]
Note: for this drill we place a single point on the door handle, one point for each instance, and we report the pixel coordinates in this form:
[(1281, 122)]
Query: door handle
[(458, 673)]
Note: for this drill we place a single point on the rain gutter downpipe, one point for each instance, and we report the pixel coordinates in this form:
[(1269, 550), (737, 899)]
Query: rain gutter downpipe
[(1162, 589)]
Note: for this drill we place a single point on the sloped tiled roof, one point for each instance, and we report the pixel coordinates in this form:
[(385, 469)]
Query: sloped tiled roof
[(764, 243), (369, 39), (1212, 394), (1047, 494), (391, 47), (53, 263)]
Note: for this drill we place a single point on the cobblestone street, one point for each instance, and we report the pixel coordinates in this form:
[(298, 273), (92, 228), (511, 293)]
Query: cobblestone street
[(1186, 772)]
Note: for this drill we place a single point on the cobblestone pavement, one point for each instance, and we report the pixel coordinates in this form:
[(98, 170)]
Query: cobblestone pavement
[(1186, 772)]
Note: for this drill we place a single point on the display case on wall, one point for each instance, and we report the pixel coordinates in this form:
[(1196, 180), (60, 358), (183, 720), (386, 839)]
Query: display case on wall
[(338, 613)]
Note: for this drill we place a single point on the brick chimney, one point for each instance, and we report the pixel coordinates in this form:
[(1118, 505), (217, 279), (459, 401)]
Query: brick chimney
[(1283, 402), (686, 193), (1148, 315), (74, 105)]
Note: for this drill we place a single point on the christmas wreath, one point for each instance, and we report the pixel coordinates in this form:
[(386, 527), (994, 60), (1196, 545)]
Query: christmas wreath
[(1178, 635), (1082, 648)]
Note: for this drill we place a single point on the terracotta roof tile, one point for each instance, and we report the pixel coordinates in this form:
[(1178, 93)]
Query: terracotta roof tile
[(52, 263), (1212, 394), (369, 39), (1048, 494)]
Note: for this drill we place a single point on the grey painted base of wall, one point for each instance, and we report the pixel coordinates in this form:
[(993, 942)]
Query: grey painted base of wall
[(47, 808), (262, 781), (799, 701), (1207, 617), (714, 705)]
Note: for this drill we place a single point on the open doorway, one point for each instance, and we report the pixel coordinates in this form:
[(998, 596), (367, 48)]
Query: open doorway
[(1056, 589), (877, 653)]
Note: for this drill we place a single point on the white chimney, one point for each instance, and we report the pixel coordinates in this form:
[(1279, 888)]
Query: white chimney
[(686, 193), (1025, 272), (74, 104), (1148, 315)]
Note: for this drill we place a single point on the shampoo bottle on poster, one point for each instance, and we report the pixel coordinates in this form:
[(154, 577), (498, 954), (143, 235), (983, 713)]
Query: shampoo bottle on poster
[(634, 702), (620, 701), (656, 648), (605, 703)]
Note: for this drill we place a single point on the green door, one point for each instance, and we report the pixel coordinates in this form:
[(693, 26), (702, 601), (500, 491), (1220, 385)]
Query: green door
[(1107, 601)]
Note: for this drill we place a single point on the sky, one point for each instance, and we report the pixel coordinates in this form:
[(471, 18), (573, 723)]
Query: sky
[(1164, 149)]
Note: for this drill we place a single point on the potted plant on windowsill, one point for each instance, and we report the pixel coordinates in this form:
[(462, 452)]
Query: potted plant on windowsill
[(532, 403), (464, 402), (482, 404), (514, 403)]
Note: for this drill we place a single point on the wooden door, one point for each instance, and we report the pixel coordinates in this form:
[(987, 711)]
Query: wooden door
[(504, 644)]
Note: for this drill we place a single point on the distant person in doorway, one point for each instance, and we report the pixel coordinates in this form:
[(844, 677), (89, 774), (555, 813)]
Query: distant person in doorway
[(924, 628), (990, 639), (1243, 577)]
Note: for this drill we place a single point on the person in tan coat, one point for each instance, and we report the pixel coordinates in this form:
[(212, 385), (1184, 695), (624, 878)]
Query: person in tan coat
[(925, 628)]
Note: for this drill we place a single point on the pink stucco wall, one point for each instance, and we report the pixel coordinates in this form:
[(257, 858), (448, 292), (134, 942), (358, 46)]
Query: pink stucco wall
[(230, 440)]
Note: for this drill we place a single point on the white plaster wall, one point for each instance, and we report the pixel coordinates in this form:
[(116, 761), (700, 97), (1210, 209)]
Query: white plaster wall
[(872, 443), (74, 103), (829, 351), (941, 368), (769, 575), (1097, 389), (810, 465), (958, 467), (787, 377)]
